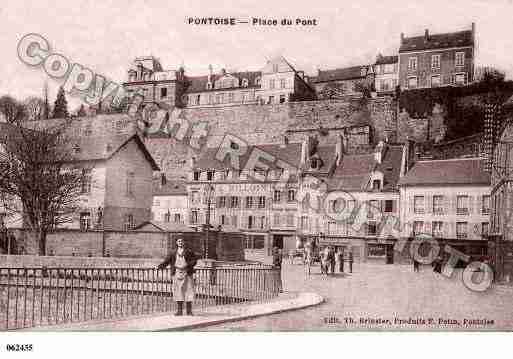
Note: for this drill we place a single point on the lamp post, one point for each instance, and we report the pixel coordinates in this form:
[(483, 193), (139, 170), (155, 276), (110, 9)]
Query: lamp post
[(208, 193)]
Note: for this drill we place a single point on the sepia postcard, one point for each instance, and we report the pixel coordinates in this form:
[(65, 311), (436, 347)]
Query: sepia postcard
[(341, 166)]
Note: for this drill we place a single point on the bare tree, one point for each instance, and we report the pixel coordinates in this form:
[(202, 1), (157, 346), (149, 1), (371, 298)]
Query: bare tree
[(35, 108), (37, 178), (11, 109)]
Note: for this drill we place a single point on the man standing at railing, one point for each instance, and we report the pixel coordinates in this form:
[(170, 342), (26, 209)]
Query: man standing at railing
[(277, 261), (182, 264)]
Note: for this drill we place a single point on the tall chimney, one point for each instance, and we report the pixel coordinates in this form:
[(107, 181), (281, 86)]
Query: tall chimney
[(285, 141), (304, 152), (426, 34), (402, 37)]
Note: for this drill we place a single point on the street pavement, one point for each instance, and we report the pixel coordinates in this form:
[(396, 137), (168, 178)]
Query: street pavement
[(386, 297)]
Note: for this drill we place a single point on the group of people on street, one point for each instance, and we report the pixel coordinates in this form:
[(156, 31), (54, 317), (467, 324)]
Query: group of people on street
[(332, 260)]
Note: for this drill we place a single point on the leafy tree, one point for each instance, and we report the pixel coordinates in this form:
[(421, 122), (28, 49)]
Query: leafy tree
[(60, 109), (37, 179), (12, 110)]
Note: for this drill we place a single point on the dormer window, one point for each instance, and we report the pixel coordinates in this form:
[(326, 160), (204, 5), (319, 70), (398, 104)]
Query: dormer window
[(210, 175), (76, 148), (209, 85), (376, 185), (314, 164), (257, 81), (245, 82), (275, 67)]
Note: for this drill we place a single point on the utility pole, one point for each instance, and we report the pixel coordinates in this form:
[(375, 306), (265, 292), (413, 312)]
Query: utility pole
[(209, 192)]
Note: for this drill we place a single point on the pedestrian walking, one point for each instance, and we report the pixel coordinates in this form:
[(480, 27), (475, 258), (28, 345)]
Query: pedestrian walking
[(339, 258), (325, 257), (332, 260), (416, 265), (182, 262), (277, 261)]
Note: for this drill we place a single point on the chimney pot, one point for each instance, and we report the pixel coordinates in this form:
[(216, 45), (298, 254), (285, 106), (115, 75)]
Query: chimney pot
[(402, 37), (426, 34)]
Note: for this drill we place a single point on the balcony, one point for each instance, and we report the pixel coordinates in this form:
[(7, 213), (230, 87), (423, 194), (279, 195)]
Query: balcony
[(462, 211)]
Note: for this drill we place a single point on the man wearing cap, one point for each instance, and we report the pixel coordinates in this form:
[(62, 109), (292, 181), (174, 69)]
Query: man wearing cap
[(182, 263)]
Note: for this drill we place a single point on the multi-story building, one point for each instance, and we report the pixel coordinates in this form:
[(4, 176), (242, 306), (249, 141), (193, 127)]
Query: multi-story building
[(386, 74), (448, 200), (147, 78), (276, 82), (332, 84), (360, 193), (435, 60), (169, 202), (116, 188)]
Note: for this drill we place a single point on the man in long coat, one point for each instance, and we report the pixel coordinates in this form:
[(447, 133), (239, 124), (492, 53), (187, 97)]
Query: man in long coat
[(182, 262)]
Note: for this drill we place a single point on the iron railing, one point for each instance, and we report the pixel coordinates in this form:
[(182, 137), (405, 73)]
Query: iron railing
[(33, 297)]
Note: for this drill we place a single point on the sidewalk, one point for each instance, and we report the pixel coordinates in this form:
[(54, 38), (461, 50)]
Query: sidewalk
[(202, 317)]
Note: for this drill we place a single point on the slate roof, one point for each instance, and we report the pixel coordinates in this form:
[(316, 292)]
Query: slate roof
[(347, 73), (354, 172), (171, 188), (290, 154), (199, 83), (437, 41), (382, 60), (462, 171), (90, 148)]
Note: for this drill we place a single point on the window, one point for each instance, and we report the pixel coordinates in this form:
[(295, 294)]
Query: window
[(437, 228), (234, 202), (194, 217), (86, 181), (275, 67), (198, 99), (304, 222), (272, 83), (261, 202), (263, 222), (178, 218), (291, 195), (282, 99), (209, 85), (130, 178), (196, 175), (435, 61), (373, 208), (460, 59), (485, 228), (250, 222), (436, 80), (412, 63), (85, 221), (283, 83), (234, 221), (231, 97), (372, 228), (418, 204), (167, 217), (314, 163), (245, 82), (163, 92), (276, 219), (459, 79), (223, 220), (129, 222), (461, 229), (412, 82), (417, 227), (389, 206), (438, 204), (2, 220), (277, 196), (485, 205), (290, 220), (376, 185), (257, 81), (210, 175), (249, 202), (271, 100), (462, 205), (222, 202)]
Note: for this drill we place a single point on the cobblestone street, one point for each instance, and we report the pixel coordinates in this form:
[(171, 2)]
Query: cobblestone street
[(375, 296)]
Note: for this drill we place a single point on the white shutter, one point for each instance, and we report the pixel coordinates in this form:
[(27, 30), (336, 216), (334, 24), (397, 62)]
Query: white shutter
[(478, 207), (471, 204)]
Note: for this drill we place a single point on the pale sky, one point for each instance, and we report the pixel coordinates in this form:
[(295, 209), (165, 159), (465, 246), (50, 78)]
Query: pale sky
[(106, 35)]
